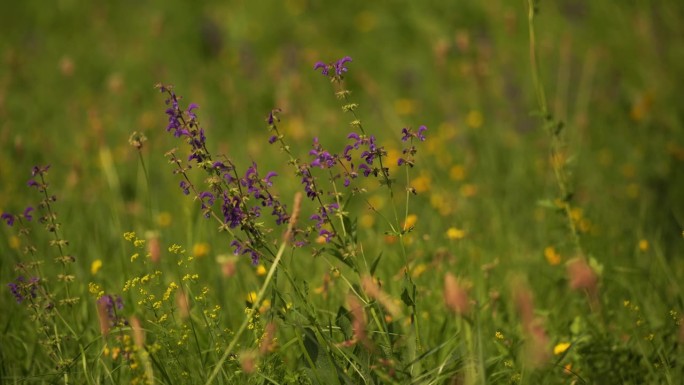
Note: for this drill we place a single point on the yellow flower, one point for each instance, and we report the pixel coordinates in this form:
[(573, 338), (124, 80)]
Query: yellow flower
[(393, 156), (367, 220), (561, 347), (421, 184), (95, 266), (418, 270), (377, 201), (265, 305), (14, 242), (200, 249), (457, 172), (251, 296), (643, 245), (552, 257), (454, 233), (410, 221), (261, 270)]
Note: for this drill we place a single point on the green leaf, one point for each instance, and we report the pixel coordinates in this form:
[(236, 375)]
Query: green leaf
[(406, 298), (374, 264), (311, 343), (343, 320)]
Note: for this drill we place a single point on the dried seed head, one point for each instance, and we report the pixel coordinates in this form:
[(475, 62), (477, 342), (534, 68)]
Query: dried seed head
[(138, 332), (371, 287), (183, 303), (582, 276), (153, 246), (268, 343), (292, 222), (456, 295)]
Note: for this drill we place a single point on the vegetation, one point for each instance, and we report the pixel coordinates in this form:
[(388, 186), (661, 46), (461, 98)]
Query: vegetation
[(342, 193)]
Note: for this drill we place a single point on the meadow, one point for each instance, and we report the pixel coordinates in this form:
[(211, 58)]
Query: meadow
[(234, 192)]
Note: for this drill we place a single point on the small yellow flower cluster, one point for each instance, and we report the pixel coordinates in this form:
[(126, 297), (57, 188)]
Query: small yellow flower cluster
[(133, 282), (191, 277), (170, 290), (203, 295), (212, 313), (95, 290), (176, 249)]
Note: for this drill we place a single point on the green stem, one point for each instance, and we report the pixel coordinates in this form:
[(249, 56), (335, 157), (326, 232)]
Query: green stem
[(245, 322)]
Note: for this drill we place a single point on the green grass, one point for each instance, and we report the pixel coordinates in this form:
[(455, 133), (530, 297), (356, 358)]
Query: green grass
[(76, 79)]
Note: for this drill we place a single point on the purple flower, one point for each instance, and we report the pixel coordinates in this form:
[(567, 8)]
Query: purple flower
[(272, 139), (273, 116), (9, 218), (420, 135), (111, 305), (38, 170), (267, 179), (339, 65), (322, 158), (327, 235), (27, 213), (22, 289), (242, 248), (207, 200), (323, 215), (191, 114), (323, 67), (231, 210), (407, 133), (308, 181), (185, 187), (366, 170)]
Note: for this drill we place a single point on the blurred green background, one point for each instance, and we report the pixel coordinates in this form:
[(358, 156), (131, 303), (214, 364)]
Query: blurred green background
[(76, 79)]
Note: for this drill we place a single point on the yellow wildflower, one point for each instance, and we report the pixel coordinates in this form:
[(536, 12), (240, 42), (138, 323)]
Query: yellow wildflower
[(367, 220), (419, 270), (643, 245), (14, 242), (261, 270), (421, 184), (251, 296), (410, 221), (200, 249), (457, 172), (95, 266), (454, 233), (552, 257), (561, 347)]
